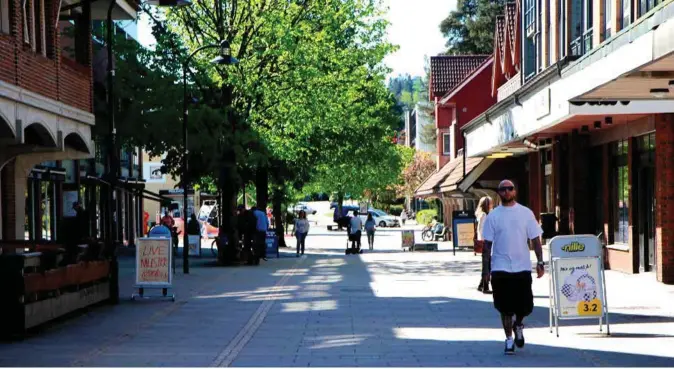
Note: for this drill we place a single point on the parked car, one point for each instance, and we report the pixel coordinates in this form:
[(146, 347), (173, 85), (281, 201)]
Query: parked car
[(302, 206), (381, 218)]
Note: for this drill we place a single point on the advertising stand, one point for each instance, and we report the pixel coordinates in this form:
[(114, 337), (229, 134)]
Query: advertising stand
[(195, 245), (154, 257), (408, 239), (463, 229), (271, 243), (577, 283)]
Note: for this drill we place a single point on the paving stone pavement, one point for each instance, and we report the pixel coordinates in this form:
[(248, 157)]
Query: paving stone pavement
[(381, 308)]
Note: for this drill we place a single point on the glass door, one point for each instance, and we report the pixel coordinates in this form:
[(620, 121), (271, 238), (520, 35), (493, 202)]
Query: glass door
[(646, 202)]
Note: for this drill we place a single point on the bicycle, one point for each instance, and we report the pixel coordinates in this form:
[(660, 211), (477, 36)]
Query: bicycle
[(427, 233)]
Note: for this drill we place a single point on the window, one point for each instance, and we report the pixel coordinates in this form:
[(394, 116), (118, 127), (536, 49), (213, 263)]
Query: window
[(608, 18), (626, 13), (4, 16), (561, 31), (646, 5), (446, 144), (34, 25), (620, 192), (581, 27)]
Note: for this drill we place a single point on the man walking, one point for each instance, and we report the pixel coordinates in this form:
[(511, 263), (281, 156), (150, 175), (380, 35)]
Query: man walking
[(261, 227), (506, 232)]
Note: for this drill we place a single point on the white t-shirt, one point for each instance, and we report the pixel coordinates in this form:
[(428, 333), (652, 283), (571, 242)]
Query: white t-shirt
[(509, 228), (480, 227), (356, 224)]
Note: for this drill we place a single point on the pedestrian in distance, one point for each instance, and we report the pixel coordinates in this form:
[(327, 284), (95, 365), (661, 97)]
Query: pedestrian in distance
[(483, 209), (506, 231), (355, 228), (403, 216), (370, 227), (301, 231), (261, 227)]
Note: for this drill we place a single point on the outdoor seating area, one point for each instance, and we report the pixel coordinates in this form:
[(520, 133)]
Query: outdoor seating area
[(41, 281)]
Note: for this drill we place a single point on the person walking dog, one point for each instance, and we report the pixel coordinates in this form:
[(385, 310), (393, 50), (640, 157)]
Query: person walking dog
[(301, 231), (506, 231), (483, 208)]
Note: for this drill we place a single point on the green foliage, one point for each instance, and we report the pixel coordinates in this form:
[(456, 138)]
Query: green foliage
[(470, 28), (426, 216), (396, 210), (408, 90)]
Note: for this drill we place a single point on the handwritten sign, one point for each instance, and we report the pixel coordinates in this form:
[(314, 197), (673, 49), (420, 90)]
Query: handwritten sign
[(465, 233), (153, 262)]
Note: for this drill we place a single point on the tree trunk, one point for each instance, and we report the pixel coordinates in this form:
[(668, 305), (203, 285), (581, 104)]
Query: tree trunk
[(340, 202), (229, 190), (262, 187), (278, 215)]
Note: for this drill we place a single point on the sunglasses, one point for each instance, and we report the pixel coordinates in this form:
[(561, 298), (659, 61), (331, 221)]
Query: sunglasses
[(506, 188)]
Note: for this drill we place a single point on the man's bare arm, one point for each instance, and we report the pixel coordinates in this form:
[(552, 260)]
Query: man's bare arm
[(538, 248)]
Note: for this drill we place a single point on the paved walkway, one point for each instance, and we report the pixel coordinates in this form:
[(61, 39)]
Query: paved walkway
[(384, 308)]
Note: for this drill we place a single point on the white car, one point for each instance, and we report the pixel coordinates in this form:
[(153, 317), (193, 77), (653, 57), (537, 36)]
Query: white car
[(302, 206), (381, 218)]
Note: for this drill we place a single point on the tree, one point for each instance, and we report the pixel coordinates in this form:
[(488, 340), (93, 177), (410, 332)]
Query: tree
[(470, 28), (416, 172)]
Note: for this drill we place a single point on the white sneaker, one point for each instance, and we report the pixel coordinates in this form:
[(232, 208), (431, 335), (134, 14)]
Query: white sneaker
[(509, 346)]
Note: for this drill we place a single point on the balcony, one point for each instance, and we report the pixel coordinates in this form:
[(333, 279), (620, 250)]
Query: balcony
[(509, 87), (582, 45)]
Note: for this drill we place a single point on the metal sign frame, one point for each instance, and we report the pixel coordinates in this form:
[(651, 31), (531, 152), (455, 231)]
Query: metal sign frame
[(461, 217), (589, 249), (164, 286), (403, 233)]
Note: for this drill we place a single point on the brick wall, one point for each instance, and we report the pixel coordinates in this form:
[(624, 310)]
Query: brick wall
[(664, 197), (21, 66)]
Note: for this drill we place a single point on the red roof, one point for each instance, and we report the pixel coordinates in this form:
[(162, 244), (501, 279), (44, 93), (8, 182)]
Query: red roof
[(506, 45), (449, 71)]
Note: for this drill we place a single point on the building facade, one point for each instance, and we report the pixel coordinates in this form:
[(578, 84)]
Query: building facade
[(589, 116), (46, 110), (417, 122)]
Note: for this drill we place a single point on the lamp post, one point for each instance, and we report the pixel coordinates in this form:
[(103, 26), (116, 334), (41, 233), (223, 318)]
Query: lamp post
[(112, 163), (225, 58)]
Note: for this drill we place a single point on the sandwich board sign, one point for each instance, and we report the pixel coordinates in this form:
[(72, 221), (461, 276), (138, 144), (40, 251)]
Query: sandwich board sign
[(408, 239), (578, 283), (154, 258)]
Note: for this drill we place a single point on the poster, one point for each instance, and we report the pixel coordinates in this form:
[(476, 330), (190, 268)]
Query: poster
[(362, 208), (408, 238), (69, 197), (195, 245), (578, 287), (152, 172), (465, 233), (153, 262)]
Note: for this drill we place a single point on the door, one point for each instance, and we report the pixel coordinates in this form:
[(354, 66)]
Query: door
[(646, 219)]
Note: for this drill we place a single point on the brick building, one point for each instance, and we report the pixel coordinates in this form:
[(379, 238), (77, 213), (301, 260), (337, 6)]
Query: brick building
[(589, 119), (46, 109)]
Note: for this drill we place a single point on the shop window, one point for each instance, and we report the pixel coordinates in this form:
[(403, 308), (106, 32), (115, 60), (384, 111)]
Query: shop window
[(4, 17), (620, 193)]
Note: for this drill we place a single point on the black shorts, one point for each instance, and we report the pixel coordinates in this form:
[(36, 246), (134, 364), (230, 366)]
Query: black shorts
[(512, 293)]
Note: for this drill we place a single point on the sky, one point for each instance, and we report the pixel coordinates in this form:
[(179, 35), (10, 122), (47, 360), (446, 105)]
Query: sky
[(415, 28)]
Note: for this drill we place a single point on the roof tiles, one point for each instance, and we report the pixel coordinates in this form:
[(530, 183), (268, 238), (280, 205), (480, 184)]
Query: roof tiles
[(448, 71)]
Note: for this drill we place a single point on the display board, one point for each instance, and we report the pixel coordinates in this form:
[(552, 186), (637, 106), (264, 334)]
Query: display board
[(463, 229), (271, 242), (153, 263), (195, 245), (408, 239), (577, 283), (363, 208)]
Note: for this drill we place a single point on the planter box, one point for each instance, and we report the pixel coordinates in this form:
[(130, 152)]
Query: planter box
[(40, 312)]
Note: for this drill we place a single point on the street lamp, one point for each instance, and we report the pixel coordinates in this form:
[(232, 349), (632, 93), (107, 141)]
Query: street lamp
[(112, 163), (225, 58)]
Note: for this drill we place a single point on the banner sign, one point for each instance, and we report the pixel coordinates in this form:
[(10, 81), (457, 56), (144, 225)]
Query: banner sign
[(153, 262), (577, 283), (408, 239)]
